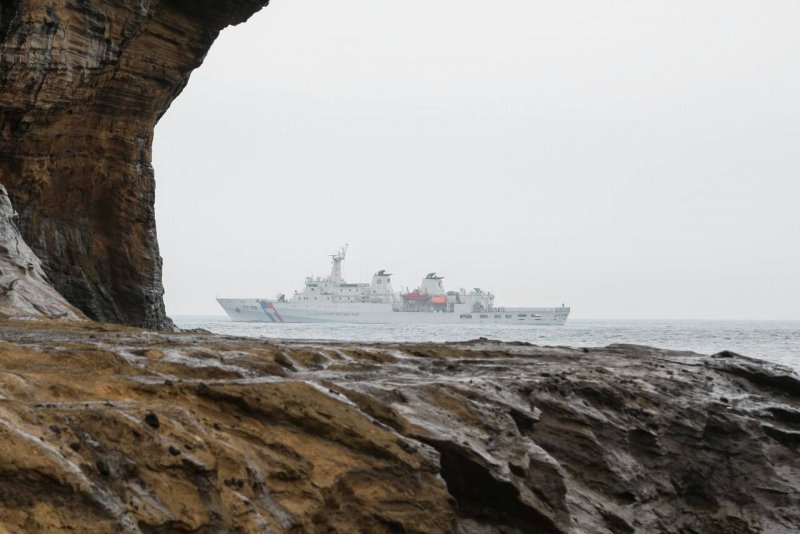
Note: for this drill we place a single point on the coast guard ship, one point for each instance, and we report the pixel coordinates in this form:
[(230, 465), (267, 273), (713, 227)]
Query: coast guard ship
[(332, 300)]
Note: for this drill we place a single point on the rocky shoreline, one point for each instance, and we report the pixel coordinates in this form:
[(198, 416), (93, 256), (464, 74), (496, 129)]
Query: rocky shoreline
[(114, 429), (106, 428)]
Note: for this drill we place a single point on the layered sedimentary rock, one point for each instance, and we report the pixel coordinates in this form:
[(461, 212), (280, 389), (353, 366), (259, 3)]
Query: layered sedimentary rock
[(105, 429), (25, 291), (82, 85)]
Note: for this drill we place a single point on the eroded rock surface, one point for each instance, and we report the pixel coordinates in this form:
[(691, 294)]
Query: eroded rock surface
[(24, 288), (105, 429), (82, 85)]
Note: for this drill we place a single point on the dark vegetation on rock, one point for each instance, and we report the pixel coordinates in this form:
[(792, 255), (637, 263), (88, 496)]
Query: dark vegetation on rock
[(110, 429)]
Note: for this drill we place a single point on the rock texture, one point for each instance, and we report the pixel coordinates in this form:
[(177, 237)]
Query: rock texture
[(25, 291), (82, 85), (107, 429)]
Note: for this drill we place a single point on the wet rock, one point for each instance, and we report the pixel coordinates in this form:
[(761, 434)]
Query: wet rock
[(472, 438), (785, 383), (790, 416), (789, 438), (196, 331)]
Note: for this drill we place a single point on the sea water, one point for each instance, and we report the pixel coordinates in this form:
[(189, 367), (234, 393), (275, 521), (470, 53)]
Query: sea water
[(777, 341)]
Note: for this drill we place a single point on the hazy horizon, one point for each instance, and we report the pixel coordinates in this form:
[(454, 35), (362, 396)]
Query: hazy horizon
[(631, 161)]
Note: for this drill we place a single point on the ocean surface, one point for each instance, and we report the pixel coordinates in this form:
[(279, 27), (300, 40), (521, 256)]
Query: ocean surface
[(777, 341)]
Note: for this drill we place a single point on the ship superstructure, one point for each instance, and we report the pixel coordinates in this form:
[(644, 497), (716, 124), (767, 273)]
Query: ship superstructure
[(332, 299)]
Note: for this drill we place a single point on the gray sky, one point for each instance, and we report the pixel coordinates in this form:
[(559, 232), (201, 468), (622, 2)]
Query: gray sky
[(630, 159)]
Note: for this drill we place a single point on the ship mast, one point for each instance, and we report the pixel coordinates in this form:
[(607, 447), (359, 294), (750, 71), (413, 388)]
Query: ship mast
[(336, 267)]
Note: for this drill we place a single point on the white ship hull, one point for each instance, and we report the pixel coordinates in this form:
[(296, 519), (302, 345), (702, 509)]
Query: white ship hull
[(264, 310)]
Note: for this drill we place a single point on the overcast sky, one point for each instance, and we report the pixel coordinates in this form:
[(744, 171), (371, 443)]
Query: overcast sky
[(630, 159)]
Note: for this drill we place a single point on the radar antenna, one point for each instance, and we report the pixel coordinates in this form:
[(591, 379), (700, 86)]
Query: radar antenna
[(341, 254), (336, 267)]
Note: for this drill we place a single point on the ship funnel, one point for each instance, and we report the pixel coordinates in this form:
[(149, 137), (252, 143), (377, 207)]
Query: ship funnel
[(432, 285), (381, 282)]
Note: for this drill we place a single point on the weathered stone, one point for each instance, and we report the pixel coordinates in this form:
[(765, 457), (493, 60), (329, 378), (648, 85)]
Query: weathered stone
[(82, 85), (25, 290), (473, 438)]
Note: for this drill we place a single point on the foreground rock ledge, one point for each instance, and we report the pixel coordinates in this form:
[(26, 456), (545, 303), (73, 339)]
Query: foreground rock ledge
[(106, 429)]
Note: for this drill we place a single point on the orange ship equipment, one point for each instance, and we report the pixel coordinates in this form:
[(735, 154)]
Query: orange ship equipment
[(415, 296), (440, 300)]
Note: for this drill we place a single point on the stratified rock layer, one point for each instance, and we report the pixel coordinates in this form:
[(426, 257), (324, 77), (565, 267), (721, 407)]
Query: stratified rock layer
[(25, 291), (105, 429), (82, 85)]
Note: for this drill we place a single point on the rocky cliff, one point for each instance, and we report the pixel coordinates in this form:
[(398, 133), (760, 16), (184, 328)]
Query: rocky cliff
[(113, 429), (108, 429), (82, 85), (25, 291)]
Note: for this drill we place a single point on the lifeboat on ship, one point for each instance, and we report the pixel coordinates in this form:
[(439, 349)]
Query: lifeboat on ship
[(416, 296), (439, 300)]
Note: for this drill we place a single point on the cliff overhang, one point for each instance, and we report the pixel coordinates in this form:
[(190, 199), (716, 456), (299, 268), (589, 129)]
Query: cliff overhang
[(82, 85)]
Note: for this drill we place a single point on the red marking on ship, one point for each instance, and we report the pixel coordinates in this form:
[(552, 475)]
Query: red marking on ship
[(266, 306)]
